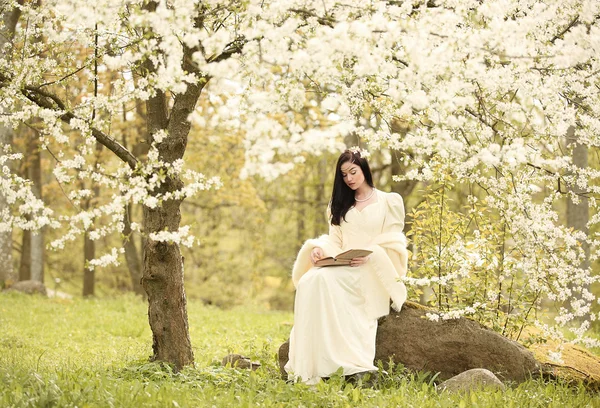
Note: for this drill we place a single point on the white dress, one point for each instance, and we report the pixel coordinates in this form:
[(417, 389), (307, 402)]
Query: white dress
[(332, 328)]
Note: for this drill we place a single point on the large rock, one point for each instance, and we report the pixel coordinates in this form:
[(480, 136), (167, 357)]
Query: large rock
[(471, 380), (28, 286), (447, 347)]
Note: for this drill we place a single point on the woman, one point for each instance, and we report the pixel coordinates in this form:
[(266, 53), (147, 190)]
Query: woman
[(336, 308)]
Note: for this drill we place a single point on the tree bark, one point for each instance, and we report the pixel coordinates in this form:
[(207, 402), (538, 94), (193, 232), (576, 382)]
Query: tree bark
[(7, 272), (32, 253), (162, 277), (321, 221), (162, 280), (89, 246), (25, 264), (131, 255), (89, 253), (301, 215), (37, 237), (134, 264), (578, 214)]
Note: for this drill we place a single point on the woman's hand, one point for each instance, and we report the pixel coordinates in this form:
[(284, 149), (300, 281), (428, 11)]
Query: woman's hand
[(316, 254), (359, 261)]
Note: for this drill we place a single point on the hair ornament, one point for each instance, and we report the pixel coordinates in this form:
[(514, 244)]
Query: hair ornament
[(359, 152)]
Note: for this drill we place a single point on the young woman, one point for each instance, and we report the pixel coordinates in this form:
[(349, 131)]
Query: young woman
[(336, 308)]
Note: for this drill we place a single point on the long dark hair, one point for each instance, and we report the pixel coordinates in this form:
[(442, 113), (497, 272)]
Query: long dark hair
[(342, 196)]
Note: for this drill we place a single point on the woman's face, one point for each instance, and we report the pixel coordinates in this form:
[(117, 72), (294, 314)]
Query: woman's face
[(352, 174)]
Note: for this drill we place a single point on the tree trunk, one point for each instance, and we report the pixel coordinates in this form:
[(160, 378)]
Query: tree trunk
[(89, 246), (131, 255), (162, 276), (7, 272), (578, 214), (301, 215), (321, 221), (37, 237), (134, 264), (163, 282), (25, 265), (89, 253)]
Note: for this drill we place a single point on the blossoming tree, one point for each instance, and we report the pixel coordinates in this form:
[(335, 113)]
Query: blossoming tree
[(479, 92)]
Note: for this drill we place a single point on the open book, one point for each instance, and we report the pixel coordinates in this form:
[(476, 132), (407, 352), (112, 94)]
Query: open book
[(344, 258)]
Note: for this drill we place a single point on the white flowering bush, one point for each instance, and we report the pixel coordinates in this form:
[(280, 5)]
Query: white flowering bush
[(474, 262)]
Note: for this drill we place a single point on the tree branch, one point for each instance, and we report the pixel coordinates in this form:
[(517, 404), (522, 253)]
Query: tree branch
[(325, 20), (11, 18), (179, 125), (156, 105), (234, 47), (560, 178), (400, 61), (480, 117), (47, 100), (563, 32)]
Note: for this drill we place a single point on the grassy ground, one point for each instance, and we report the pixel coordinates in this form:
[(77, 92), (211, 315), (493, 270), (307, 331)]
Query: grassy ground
[(94, 353)]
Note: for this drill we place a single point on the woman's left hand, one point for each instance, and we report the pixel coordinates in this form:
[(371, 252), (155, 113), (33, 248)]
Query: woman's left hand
[(359, 261)]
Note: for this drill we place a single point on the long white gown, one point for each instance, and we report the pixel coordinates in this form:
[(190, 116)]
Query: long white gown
[(331, 326)]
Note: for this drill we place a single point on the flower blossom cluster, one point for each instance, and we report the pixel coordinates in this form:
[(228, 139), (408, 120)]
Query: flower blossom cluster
[(181, 236), (31, 212)]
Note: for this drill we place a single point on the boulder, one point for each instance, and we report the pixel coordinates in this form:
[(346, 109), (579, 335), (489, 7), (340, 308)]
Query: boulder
[(474, 379), (283, 353), (446, 347), (28, 286), (450, 347)]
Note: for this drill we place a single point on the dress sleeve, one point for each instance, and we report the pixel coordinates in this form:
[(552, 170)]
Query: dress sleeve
[(394, 219), (335, 231)]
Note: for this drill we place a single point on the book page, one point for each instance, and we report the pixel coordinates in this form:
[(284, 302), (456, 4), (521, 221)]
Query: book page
[(353, 253), (343, 258)]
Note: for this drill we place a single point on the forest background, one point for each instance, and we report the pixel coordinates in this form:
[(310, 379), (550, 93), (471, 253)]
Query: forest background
[(484, 117)]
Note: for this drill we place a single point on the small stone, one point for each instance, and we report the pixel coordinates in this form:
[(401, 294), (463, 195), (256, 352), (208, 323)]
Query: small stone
[(239, 361), (474, 379)]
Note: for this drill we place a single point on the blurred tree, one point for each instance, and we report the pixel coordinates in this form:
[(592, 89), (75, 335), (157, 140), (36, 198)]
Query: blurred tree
[(36, 240), (10, 17), (578, 207)]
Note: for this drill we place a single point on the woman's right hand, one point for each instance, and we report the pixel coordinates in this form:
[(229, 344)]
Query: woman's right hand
[(316, 254)]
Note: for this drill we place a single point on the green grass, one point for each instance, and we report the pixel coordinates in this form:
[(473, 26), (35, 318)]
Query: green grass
[(94, 353)]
